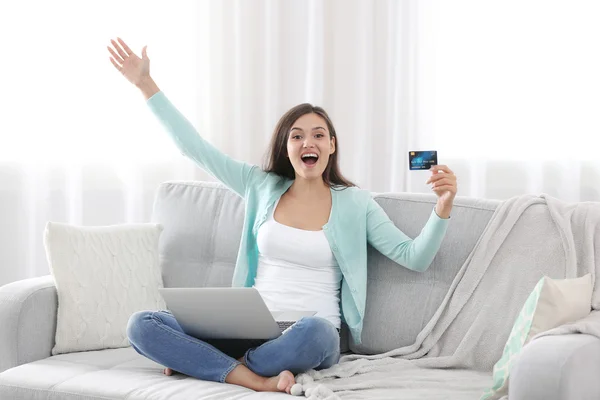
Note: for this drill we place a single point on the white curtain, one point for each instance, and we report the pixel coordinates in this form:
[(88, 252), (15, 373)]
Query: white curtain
[(506, 92)]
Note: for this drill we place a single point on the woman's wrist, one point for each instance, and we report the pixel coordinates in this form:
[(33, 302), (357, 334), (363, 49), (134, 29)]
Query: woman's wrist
[(443, 211), (148, 87)]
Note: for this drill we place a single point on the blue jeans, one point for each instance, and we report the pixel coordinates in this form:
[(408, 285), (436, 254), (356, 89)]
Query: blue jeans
[(311, 343)]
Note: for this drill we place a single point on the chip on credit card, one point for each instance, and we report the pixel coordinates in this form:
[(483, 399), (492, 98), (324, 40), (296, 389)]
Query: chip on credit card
[(422, 159)]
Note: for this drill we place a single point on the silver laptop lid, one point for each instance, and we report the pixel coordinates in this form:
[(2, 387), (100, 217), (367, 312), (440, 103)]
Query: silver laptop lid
[(224, 313)]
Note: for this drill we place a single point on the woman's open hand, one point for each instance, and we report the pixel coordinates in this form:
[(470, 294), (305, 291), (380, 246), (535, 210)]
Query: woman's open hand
[(132, 67)]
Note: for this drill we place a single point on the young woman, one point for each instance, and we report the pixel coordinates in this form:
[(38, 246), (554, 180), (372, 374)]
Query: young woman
[(303, 245)]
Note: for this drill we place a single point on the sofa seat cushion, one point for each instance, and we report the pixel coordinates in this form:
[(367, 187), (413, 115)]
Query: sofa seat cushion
[(112, 374)]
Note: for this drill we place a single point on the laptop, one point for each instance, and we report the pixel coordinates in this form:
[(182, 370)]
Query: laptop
[(227, 313)]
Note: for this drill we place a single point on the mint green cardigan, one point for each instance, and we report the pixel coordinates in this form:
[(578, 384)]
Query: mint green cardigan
[(355, 220)]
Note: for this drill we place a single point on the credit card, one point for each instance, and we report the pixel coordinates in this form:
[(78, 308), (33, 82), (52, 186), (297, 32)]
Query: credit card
[(422, 159)]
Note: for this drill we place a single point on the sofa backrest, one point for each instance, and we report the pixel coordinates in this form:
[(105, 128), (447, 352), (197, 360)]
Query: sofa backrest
[(202, 230)]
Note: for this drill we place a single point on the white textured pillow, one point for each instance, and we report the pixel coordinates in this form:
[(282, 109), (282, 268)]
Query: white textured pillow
[(103, 274)]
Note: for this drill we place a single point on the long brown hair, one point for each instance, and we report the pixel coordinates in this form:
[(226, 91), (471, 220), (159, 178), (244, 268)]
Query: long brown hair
[(276, 157)]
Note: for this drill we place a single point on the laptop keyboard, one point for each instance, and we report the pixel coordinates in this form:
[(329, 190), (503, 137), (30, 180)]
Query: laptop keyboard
[(283, 325)]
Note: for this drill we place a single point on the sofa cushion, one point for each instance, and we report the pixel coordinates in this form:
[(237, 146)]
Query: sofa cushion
[(112, 374), (202, 232), (400, 302), (103, 274)]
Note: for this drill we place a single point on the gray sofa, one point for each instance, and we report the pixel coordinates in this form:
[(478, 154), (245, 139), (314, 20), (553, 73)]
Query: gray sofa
[(202, 224)]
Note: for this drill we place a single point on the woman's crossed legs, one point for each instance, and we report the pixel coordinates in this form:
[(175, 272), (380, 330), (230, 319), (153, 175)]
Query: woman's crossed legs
[(311, 343)]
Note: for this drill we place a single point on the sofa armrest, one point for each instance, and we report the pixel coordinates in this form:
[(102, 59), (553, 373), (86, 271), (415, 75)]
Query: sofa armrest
[(557, 367), (28, 311)]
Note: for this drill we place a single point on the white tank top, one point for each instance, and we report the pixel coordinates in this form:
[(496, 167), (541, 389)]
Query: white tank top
[(297, 270)]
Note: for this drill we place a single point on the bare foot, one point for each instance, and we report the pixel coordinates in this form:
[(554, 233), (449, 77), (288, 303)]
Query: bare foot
[(280, 383)]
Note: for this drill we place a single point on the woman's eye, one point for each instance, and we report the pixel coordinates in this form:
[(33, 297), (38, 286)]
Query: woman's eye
[(319, 135)]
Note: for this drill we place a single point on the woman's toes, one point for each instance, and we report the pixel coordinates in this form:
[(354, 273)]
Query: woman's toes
[(168, 371), (286, 381)]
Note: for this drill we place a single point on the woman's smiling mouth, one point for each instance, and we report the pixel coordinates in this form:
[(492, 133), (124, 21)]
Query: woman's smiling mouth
[(309, 159)]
